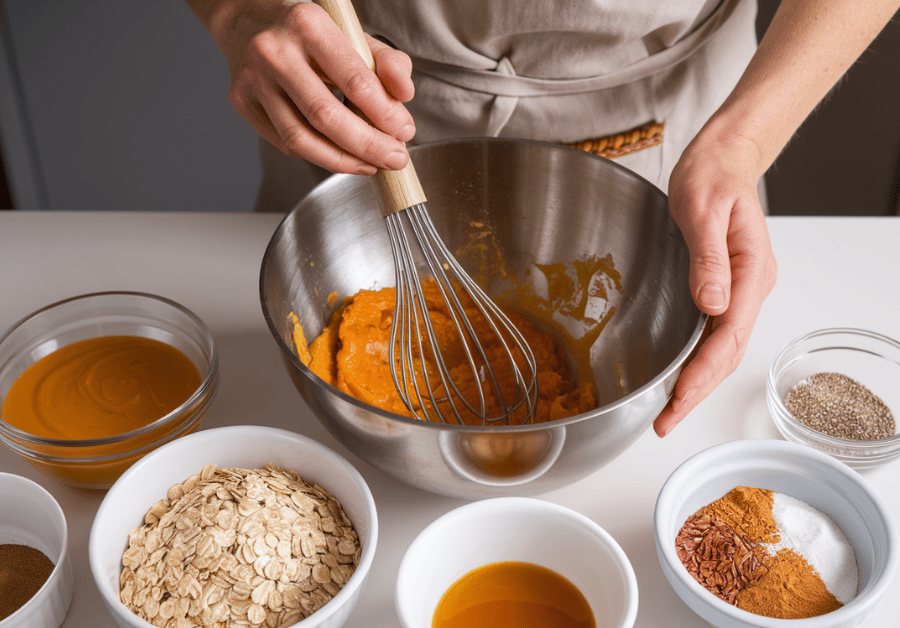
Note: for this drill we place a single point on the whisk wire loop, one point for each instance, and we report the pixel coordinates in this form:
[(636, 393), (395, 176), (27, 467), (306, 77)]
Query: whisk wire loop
[(412, 323), (436, 259), (439, 261), (405, 326)]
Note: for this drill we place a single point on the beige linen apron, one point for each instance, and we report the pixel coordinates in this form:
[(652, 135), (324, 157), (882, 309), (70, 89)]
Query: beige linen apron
[(565, 71)]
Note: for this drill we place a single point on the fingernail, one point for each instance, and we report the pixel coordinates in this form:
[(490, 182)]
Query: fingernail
[(406, 133), (396, 160), (711, 296)]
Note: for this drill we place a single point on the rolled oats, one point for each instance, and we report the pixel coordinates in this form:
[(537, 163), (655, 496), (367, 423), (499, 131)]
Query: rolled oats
[(238, 548)]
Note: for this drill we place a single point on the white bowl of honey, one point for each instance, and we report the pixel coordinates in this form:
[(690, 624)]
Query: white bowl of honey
[(91, 384), (515, 562)]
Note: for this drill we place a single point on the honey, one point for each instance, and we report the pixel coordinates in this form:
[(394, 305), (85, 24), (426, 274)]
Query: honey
[(513, 595), (100, 387)]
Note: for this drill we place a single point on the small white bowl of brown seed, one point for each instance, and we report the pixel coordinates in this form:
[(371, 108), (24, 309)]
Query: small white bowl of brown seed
[(237, 524), (765, 533), (838, 391), (36, 577)]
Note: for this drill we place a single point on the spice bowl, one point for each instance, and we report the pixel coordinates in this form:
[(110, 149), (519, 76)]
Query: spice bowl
[(796, 471), (97, 462), (526, 530), (148, 481), (32, 518), (870, 359)]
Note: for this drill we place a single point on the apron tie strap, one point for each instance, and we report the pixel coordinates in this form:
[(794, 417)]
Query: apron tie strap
[(503, 106)]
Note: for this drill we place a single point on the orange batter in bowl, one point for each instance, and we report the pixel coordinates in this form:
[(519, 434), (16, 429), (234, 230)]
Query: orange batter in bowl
[(351, 354)]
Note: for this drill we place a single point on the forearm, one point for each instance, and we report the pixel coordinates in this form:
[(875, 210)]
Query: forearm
[(806, 49)]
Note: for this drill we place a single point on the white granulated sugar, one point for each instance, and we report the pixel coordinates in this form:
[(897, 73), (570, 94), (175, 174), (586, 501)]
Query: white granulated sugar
[(818, 539)]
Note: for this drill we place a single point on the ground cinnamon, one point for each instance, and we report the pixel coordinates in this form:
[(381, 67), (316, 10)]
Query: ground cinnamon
[(790, 590), (23, 571), (748, 511)]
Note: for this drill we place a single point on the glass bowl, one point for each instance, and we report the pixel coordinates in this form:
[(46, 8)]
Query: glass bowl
[(873, 360), (96, 463)]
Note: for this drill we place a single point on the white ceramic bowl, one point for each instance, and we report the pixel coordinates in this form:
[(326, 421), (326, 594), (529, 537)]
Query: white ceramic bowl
[(249, 447), (534, 531), (30, 516), (800, 472)]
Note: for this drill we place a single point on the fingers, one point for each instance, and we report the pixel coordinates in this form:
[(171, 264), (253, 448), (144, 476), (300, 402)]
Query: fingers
[(283, 89), (715, 359), (331, 52), (394, 68), (296, 137), (710, 273), (753, 272)]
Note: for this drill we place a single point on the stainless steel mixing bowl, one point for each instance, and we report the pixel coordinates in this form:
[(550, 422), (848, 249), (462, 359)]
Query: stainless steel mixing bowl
[(530, 216)]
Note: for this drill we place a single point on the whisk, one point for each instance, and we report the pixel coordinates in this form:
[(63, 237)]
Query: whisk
[(431, 392)]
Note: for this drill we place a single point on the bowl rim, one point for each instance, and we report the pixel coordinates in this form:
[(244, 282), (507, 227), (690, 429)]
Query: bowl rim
[(207, 385), (524, 505), (55, 579), (763, 449), (336, 180), (360, 573), (801, 430)]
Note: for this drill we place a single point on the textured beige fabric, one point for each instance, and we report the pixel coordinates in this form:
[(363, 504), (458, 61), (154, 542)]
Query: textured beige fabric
[(555, 71)]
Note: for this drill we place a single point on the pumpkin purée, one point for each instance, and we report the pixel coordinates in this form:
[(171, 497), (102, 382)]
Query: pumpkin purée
[(100, 387), (351, 354)]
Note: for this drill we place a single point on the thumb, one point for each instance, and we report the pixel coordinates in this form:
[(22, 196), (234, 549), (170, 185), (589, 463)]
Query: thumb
[(710, 274)]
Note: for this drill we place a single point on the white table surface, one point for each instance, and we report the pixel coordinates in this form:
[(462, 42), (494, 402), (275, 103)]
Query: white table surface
[(833, 272)]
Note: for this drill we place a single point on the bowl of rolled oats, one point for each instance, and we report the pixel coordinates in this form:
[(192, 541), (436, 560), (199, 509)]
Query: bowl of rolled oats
[(235, 526)]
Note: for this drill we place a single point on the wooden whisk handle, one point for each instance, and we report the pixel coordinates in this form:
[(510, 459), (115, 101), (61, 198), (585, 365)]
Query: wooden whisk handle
[(398, 189)]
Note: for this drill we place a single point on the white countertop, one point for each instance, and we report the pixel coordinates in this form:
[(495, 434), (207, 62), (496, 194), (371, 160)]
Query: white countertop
[(833, 272)]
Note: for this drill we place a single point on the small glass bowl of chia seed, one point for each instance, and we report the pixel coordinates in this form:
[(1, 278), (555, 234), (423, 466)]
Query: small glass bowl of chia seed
[(838, 390)]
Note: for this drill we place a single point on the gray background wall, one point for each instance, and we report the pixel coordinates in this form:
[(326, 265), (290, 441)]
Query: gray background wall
[(120, 104), (127, 108)]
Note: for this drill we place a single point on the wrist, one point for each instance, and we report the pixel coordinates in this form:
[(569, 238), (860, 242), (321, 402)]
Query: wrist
[(234, 20), (731, 137), (222, 18)]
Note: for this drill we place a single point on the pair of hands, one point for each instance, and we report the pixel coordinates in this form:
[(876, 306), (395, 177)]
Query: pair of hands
[(285, 63)]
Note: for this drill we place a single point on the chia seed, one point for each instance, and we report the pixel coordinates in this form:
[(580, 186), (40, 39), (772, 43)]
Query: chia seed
[(841, 407)]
